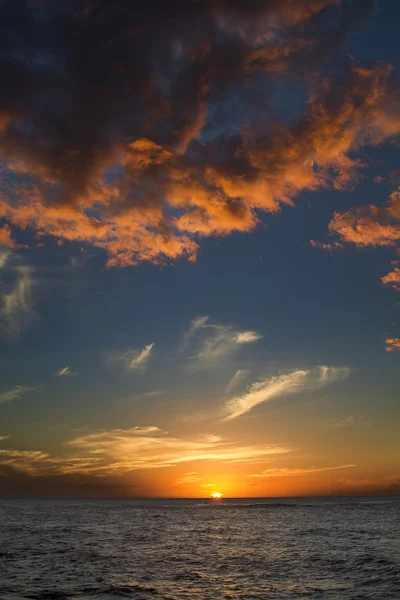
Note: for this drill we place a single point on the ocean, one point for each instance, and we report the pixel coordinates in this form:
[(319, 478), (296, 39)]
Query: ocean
[(346, 548)]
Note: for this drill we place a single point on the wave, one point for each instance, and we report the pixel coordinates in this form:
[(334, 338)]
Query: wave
[(132, 590)]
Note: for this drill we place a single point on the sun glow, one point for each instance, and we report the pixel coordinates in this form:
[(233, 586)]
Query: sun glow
[(216, 495)]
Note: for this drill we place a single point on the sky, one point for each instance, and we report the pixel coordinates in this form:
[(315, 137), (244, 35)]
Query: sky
[(199, 248)]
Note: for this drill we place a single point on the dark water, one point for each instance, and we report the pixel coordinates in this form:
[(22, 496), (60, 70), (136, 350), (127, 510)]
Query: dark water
[(192, 549)]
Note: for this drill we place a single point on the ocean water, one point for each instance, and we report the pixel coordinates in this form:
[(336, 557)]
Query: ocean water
[(195, 549)]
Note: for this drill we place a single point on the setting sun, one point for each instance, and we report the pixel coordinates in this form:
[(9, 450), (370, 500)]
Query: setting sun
[(216, 495)]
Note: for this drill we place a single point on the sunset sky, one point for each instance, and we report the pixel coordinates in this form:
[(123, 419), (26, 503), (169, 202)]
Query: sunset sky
[(199, 248)]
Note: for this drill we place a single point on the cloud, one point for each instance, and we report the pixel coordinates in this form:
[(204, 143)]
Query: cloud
[(4, 437), (369, 225), (349, 421), (16, 300), (189, 478), (132, 360), (236, 379), (144, 171), (373, 226), (296, 382), (286, 472), (4, 255), (121, 451), (142, 358), (66, 372), (392, 279), (38, 463), (15, 393), (325, 246), (149, 448), (214, 342), (392, 344), (387, 485)]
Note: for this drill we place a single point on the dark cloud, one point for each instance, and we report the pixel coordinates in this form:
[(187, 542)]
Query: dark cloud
[(14, 483), (115, 127)]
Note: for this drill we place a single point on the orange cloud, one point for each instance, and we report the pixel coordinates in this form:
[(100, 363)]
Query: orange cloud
[(370, 225), (393, 279), (121, 451), (129, 158), (5, 237), (392, 344)]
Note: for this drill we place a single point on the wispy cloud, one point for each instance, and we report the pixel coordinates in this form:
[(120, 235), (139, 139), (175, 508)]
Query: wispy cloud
[(213, 342), (286, 472), (132, 359), (349, 421), (66, 372), (15, 393), (142, 358), (283, 385), (16, 303), (120, 451), (36, 462), (192, 477), (328, 247), (236, 379), (4, 254), (4, 437), (149, 448), (195, 325)]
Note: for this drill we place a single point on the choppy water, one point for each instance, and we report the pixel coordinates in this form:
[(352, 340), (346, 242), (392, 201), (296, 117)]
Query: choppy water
[(188, 549)]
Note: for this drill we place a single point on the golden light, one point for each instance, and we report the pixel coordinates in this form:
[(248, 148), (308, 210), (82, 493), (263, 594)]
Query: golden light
[(216, 495)]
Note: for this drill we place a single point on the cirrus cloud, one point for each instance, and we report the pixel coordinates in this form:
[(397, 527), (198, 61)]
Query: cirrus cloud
[(295, 382), (121, 451), (132, 360), (293, 472), (214, 342), (15, 393)]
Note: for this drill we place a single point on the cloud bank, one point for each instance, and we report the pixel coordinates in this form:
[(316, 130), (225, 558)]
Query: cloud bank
[(120, 451), (286, 472), (122, 124)]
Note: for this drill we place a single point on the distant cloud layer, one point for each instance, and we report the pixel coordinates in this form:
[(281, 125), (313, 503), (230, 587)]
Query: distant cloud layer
[(287, 472), (156, 124), (120, 451), (300, 381)]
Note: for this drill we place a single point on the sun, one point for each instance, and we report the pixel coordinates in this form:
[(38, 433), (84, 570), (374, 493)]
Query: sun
[(216, 495)]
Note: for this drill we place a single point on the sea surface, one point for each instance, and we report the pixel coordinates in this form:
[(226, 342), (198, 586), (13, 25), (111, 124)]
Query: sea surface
[(198, 549)]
